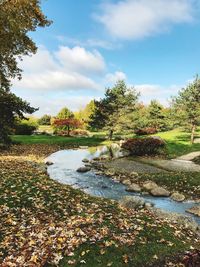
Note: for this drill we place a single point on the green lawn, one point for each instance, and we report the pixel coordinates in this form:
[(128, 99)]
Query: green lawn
[(59, 140), (178, 141)]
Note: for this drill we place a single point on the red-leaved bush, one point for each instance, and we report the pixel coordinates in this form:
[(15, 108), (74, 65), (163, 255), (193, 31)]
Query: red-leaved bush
[(146, 131), (144, 146)]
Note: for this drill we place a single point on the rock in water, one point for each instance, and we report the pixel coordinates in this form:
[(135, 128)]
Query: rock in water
[(160, 192), (149, 185), (132, 202), (85, 160), (48, 163), (177, 197), (133, 188), (83, 169), (126, 182), (195, 210)]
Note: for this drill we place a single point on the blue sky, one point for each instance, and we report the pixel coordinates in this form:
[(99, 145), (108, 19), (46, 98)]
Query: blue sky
[(152, 44)]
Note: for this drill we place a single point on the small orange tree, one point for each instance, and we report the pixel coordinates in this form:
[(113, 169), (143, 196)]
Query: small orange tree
[(67, 124)]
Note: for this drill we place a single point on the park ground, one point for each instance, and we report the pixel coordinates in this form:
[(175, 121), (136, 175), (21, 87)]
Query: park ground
[(44, 223)]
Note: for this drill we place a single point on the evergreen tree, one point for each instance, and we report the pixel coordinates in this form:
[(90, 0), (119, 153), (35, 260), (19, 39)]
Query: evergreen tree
[(114, 111), (187, 106)]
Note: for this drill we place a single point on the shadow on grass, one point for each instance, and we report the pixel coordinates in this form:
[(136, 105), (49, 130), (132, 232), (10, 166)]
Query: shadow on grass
[(175, 149), (59, 140)]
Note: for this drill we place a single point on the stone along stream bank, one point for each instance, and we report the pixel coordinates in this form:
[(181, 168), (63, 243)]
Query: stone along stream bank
[(103, 183)]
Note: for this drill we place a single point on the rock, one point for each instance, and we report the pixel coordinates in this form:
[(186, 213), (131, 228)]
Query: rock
[(148, 205), (115, 146), (195, 210), (133, 188), (149, 185), (134, 174), (96, 159), (83, 147), (126, 182), (132, 202), (124, 153), (104, 187), (160, 192), (177, 197), (104, 157), (121, 142), (49, 163), (83, 169), (88, 164), (177, 218), (85, 160)]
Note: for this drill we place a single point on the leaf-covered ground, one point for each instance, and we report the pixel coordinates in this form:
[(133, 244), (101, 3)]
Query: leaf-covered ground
[(44, 223)]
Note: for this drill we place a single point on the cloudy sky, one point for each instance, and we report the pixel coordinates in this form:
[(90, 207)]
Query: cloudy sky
[(152, 44)]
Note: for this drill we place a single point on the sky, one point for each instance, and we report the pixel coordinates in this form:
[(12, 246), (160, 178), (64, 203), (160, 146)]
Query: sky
[(154, 45)]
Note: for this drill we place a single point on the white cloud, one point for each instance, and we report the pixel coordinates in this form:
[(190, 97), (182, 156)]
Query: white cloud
[(81, 60), (91, 42), (67, 69), (135, 19), (53, 105), (158, 92), (114, 77)]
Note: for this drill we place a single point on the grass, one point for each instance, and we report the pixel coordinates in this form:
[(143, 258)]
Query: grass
[(44, 223), (178, 141), (59, 140)]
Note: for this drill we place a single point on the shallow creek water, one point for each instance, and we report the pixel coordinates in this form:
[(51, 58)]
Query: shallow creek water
[(66, 162)]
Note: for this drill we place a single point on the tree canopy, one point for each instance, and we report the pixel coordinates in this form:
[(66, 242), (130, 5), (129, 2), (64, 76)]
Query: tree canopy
[(11, 106), (114, 111), (187, 105), (65, 113), (17, 18)]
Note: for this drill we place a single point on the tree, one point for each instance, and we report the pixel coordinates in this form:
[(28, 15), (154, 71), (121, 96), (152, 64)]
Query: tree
[(11, 107), (67, 124), (114, 111), (17, 18), (65, 113), (156, 116), (45, 120), (187, 105), (85, 114)]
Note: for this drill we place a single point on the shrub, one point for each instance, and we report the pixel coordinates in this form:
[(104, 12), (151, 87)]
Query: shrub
[(144, 146), (24, 128), (146, 131)]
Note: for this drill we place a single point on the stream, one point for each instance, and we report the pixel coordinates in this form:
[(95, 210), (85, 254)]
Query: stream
[(66, 162)]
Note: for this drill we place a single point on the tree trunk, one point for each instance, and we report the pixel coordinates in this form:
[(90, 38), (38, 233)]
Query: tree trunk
[(68, 131), (193, 133), (111, 134)]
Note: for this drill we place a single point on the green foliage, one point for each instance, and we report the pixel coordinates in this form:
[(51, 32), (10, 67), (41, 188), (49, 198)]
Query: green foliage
[(11, 107), (45, 120), (144, 146), (187, 106), (24, 127), (114, 111), (65, 113), (156, 115), (85, 114), (17, 18)]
